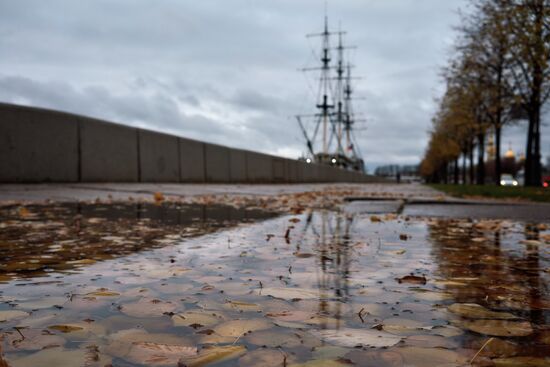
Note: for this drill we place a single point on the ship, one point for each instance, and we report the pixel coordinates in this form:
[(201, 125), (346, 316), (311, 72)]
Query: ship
[(329, 132)]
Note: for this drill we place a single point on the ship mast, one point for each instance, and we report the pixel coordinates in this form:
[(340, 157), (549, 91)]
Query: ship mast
[(324, 106), (334, 117), (349, 113), (339, 92)]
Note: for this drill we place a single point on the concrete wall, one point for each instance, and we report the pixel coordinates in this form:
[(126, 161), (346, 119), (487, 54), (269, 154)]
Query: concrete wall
[(259, 168), (237, 165), (158, 157), (191, 160), (108, 152), (31, 153), (217, 163), (39, 145)]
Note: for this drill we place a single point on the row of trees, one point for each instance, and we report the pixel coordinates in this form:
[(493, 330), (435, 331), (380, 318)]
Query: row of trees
[(499, 74)]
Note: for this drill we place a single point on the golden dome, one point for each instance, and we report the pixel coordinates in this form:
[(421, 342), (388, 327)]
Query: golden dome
[(510, 153)]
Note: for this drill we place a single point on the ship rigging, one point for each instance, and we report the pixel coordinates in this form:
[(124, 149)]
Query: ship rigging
[(335, 115)]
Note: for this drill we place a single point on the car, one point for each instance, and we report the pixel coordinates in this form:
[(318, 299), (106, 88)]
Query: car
[(507, 180), (546, 181)]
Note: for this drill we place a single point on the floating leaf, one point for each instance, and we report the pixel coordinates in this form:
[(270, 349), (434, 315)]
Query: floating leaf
[(432, 296), (272, 339), (265, 358), (412, 279), (415, 356), (329, 352), (59, 357), (103, 293), (475, 311), (12, 315), (401, 326), (322, 363), (290, 293), (242, 306), (213, 354), (521, 362), (499, 327), (430, 341), (122, 344), (66, 328), (347, 337), (447, 331), (31, 340), (287, 315), (237, 328), (158, 354), (204, 318), (42, 303), (147, 307)]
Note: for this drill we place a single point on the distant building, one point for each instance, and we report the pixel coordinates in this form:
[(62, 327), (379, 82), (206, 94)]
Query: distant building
[(509, 163), (407, 173)]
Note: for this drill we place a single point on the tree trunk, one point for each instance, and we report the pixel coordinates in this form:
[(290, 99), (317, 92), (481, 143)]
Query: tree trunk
[(471, 153), (480, 178), (532, 162), (456, 175), (464, 158), (533, 174), (498, 169)]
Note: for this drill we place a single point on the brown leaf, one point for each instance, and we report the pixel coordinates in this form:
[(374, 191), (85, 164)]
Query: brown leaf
[(412, 279)]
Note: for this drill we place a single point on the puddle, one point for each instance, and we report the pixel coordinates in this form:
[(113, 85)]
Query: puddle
[(323, 288), (38, 240)]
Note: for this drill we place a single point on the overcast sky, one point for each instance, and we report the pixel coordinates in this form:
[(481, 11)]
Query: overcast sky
[(226, 71)]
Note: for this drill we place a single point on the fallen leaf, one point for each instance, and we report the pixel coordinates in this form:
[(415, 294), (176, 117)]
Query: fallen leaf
[(475, 311), (415, 356), (347, 337), (412, 279), (147, 307), (204, 318), (499, 327), (521, 362), (289, 293), (213, 354), (12, 315), (265, 358), (242, 306), (237, 328), (158, 354), (66, 328)]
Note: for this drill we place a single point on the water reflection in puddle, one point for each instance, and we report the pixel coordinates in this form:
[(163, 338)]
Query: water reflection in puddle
[(37, 240), (318, 289)]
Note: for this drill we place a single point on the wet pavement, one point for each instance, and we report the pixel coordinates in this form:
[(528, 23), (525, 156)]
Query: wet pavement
[(341, 284), (124, 191)]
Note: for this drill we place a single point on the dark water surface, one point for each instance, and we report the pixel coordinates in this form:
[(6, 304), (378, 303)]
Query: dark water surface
[(193, 286)]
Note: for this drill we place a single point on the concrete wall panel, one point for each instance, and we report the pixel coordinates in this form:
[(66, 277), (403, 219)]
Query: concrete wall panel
[(237, 163), (217, 163), (192, 166), (291, 168), (109, 152), (259, 167), (158, 157), (279, 169), (37, 146)]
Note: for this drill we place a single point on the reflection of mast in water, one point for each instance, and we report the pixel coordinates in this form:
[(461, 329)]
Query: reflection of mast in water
[(331, 244)]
